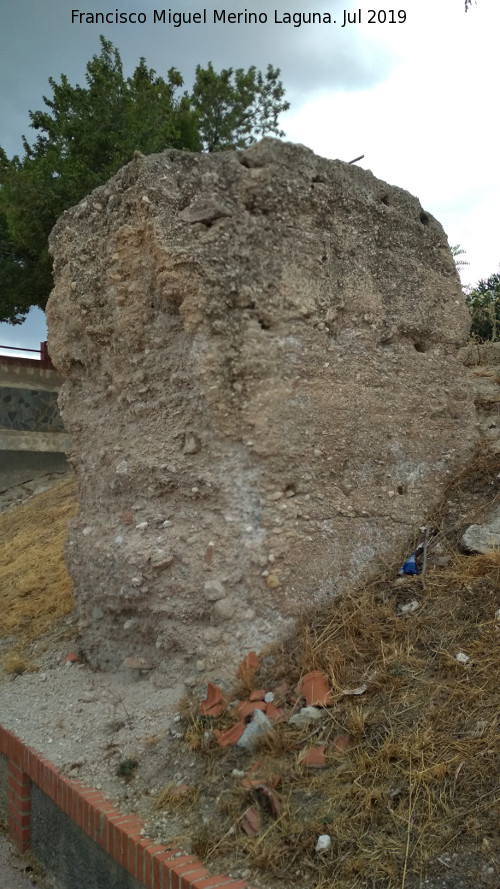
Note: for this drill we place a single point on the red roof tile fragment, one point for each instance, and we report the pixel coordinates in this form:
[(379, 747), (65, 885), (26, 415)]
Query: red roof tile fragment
[(246, 708), (71, 658), (231, 736), (213, 705), (248, 667), (274, 713), (341, 743), (250, 821), (314, 757), (315, 689)]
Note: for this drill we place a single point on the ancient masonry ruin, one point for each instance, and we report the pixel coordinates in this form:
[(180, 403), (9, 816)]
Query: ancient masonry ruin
[(261, 390)]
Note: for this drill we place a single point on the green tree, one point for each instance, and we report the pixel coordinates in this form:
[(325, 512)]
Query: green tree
[(86, 133), (483, 301), (235, 107)]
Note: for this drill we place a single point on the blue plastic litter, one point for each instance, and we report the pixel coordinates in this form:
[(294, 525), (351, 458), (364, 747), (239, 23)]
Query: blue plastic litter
[(409, 566)]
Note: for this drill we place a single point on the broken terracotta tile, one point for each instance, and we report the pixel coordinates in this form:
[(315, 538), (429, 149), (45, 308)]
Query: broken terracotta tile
[(71, 658), (231, 736), (246, 708), (248, 667), (274, 713), (314, 757), (341, 743), (315, 689), (274, 800), (257, 694), (250, 821), (213, 705)]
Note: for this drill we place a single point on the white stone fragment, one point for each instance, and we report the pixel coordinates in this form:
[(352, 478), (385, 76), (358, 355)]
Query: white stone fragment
[(255, 730), (409, 607), (306, 716), (360, 690), (462, 658), (324, 842)]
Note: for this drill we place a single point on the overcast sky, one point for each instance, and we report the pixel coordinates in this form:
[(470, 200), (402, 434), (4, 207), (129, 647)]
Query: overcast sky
[(417, 98)]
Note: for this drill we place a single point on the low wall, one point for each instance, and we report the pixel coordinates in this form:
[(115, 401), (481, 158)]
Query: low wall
[(79, 837), (21, 467), (29, 373), (29, 413), (33, 409), (21, 440)]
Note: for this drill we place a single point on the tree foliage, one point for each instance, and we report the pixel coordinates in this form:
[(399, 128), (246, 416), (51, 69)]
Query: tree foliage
[(483, 301), (86, 133), (237, 106)]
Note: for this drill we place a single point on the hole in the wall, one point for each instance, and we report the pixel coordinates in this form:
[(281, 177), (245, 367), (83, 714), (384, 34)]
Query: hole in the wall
[(173, 303), (421, 346), (424, 219), (263, 324), (401, 489), (385, 200)]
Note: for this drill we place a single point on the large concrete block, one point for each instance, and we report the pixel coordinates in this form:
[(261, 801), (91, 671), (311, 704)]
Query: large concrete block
[(261, 390)]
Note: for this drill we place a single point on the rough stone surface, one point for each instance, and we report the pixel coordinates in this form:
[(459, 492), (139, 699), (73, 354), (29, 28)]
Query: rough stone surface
[(484, 538), (261, 387)]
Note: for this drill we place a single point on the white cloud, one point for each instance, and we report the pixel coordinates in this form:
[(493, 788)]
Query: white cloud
[(430, 127)]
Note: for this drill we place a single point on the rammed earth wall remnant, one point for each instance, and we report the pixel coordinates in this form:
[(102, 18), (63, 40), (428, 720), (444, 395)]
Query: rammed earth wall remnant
[(261, 390)]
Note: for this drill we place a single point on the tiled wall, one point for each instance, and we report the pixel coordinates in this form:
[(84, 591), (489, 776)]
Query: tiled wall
[(33, 410)]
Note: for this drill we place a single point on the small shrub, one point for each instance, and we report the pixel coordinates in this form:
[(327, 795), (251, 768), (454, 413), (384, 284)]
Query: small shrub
[(126, 768)]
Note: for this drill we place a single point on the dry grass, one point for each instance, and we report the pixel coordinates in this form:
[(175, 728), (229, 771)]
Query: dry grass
[(174, 797), (422, 776), (14, 663), (35, 585)]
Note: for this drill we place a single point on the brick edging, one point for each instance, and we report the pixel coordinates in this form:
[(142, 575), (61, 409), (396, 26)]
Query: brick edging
[(154, 866)]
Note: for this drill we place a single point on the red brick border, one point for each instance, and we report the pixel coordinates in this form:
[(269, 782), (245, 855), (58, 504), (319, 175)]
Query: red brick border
[(154, 866)]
